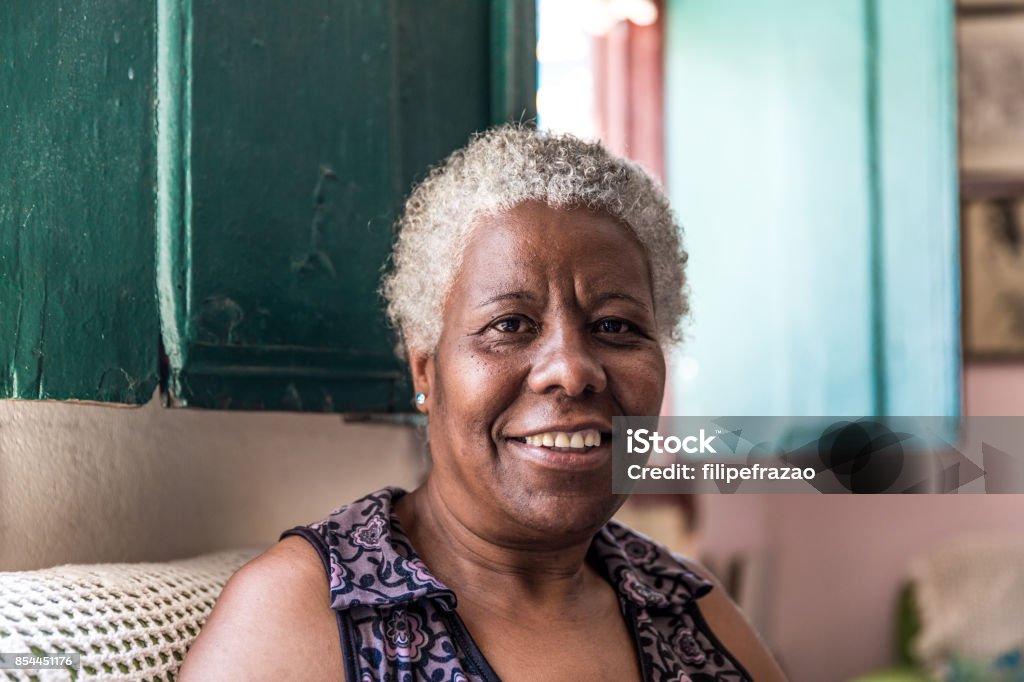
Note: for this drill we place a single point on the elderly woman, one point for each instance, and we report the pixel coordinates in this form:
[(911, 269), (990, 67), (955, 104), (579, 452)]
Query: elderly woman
[(537, 281)]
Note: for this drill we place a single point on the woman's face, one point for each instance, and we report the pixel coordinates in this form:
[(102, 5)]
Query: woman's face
[(549, 328)]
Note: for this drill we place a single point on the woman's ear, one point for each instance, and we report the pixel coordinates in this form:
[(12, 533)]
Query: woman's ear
[(422, 367)]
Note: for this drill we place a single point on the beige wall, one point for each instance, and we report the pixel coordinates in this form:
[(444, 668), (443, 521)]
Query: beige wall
[(87, 483)]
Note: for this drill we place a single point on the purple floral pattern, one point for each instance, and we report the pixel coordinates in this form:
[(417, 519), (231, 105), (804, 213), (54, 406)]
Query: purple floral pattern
[(404, 636), (640, 591), (688, 647), (368, 535), (398, 623), (639, 551), (682, 677)]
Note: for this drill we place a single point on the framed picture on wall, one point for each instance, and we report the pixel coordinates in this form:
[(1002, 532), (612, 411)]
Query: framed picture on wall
[(990, 89), (993, 277), (990, 42)]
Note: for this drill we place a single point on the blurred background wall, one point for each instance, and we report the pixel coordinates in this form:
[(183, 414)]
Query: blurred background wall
[(994, 388), (833, 565), (87, 483)]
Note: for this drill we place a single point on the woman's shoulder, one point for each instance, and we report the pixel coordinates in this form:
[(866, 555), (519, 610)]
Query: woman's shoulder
[(663, 572), (686, 582), (731, 627), (367, 516), (272, 621)]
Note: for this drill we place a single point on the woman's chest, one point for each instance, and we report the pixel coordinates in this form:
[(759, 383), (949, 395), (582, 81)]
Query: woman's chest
[(421, 641), (414, 642), (604, 649)]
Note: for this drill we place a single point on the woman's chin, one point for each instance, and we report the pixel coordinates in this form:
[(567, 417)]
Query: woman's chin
[(567, 515)]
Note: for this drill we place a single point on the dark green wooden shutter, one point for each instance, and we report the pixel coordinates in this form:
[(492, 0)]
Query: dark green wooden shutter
[(302, 128), (78, 314), (287, 136)]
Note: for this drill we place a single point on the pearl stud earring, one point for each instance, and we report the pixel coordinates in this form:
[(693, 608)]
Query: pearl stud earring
[(421, 398)]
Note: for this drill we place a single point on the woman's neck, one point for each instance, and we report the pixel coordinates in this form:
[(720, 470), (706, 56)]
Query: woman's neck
[(485, 565)]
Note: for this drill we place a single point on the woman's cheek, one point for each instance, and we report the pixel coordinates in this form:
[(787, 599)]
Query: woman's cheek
[(642, 382), (480, 381)]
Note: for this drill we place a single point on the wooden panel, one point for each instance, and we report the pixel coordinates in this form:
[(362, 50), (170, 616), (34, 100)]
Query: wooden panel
[(304, 127), (767, 167), (512, 53), (811, 157), (919, 207), (77, 172)]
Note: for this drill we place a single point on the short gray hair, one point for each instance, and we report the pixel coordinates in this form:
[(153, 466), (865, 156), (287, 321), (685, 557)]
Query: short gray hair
[(498, 170)]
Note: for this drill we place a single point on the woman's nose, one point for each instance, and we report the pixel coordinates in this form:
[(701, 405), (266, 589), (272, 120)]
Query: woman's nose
[(566, 360)]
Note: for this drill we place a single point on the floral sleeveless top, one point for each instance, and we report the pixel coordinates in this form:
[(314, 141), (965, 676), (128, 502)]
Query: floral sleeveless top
[(398, 623)]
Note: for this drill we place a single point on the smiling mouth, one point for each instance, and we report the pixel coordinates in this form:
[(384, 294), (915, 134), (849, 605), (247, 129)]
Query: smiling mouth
[(579, 441)]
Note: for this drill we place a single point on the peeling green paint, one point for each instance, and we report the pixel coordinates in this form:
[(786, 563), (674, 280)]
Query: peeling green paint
[(308, 126), (77, 201), (163, 186)]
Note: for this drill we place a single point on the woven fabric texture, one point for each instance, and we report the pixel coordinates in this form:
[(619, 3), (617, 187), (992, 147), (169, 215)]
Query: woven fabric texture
[(970, 595), (128, 621)]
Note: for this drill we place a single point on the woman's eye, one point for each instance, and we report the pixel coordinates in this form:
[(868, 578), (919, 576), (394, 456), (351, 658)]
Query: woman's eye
[(613, 326), (512, 325)]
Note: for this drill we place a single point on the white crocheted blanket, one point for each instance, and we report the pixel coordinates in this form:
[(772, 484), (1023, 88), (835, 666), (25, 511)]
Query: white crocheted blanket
[(128, 621), (970, 596)]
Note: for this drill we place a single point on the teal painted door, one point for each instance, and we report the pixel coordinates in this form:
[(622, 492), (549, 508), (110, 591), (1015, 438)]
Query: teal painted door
[(812, 161), (204, 192)]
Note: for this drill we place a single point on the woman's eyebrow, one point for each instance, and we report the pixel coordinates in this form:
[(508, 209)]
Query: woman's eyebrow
[(511, 295), (599, 299), (619, 296)]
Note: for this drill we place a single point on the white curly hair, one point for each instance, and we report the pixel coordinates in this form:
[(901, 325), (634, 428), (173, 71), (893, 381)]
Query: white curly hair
[(499, 169)]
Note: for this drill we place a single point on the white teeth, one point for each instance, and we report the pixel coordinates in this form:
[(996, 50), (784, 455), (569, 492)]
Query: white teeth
[(576, 440)]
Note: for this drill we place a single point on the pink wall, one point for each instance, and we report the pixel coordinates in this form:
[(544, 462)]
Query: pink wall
[(840, 561), (994, 389), (837, 562)]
